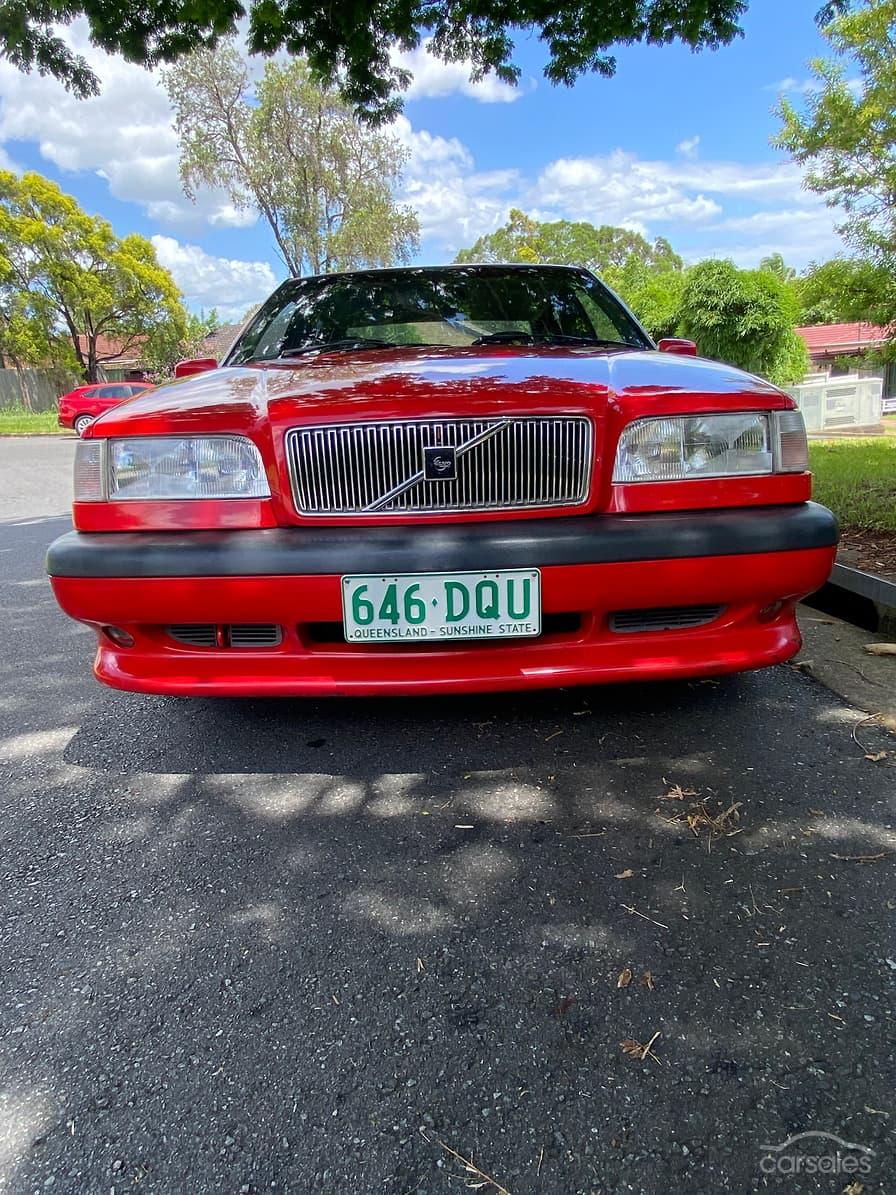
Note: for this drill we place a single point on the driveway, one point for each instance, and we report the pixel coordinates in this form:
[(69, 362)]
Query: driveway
[(316, 946)]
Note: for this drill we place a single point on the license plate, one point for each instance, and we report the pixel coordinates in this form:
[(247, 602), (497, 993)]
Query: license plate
[(416, 607)]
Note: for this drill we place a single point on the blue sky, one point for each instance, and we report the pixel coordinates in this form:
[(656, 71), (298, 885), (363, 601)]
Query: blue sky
[(676, 144)]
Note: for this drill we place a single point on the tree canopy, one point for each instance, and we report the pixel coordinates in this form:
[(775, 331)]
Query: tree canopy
[(355, 44), (646, 274), (846, 134), (67, 280), (744, 317), (294, 150), (563, 242), (845, 289)]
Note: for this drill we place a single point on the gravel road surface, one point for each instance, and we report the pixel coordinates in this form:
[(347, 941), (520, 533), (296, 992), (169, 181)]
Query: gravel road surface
[(316, 946)]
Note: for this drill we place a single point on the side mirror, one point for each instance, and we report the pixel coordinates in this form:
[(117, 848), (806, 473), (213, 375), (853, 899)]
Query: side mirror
[(674, 344), (185, 369)]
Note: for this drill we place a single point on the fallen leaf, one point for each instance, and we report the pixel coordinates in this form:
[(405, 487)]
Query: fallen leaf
[(881, 649), (802, 665), (625, 977), (564, 1006), (877, 756), (855, 1188), (628, 873), (677, 793), (640, 1050), (647, 981)]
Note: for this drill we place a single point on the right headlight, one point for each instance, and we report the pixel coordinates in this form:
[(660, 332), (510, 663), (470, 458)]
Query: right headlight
[(682, 447), (152, 468)]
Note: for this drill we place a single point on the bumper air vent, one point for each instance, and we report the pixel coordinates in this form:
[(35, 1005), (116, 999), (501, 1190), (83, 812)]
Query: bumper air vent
[(210, 634), (196, 634), (663, 618), (255, 635)]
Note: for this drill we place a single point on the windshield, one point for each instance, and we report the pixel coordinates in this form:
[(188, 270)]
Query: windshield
[(453, 307)]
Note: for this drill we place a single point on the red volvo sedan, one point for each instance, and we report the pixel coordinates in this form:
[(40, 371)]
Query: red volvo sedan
[(442, 480)]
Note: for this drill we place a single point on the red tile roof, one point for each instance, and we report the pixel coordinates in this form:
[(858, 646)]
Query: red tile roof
[(217, 343), (109, 351), (831, 339)]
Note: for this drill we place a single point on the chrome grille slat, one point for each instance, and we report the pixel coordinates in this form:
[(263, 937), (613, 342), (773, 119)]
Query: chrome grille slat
[(520, 463)]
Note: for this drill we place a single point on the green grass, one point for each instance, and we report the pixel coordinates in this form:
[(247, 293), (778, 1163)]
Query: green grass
[(857, 480), (16, 421)]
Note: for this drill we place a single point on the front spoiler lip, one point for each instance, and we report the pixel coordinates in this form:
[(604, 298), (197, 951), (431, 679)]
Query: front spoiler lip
[(311, 551)]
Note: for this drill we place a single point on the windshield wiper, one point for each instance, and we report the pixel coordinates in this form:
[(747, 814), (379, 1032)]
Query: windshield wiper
[(346, 345), (511, 337)]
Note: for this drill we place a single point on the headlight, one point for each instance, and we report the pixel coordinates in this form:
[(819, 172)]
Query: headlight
[(677, 448), (169, 467)]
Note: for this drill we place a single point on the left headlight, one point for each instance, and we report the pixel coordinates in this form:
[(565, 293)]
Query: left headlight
[(169, 468), (677, 448)]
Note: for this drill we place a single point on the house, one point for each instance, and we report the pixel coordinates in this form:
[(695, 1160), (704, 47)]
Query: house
[(116, 360), (839, 349), (218, 342), (843, 391)]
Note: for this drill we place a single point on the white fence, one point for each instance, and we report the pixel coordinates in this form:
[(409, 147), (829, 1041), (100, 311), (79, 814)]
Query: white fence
[(838, 404)]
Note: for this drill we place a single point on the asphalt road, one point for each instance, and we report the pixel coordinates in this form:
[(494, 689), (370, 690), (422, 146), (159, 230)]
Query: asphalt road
[(310, 946)]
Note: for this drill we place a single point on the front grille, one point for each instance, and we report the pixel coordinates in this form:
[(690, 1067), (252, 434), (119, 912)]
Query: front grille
[(501, 464), (663, 618)]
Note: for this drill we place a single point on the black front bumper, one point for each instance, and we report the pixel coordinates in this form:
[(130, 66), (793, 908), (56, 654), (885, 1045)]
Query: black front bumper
[(445, 547)]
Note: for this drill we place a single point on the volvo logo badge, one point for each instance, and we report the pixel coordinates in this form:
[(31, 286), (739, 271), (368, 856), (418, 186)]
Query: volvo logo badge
[(440, 463)]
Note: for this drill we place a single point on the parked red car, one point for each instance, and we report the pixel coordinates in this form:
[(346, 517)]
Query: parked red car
[(440, 480), (81, 406)]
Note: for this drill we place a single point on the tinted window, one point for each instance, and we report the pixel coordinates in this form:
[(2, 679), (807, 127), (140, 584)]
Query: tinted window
[(115, 392), (435, 307)]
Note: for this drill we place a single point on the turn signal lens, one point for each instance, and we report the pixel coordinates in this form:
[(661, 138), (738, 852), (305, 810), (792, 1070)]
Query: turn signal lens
[(178, 467), (791, 447), (89, 471)]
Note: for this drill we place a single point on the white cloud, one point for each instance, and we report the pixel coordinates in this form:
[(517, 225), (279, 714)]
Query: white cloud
[(791, 85), (435, 78), (707, 208), (689, 147), (800, 234), (222, 282), (124, 134), (621, 187), (426, 148)]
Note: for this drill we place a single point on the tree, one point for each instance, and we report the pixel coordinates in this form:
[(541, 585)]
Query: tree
[(647, 275), (355, 43), (562, 242), (775, 264), (846, 135), (65, 273), (655, 297), (294, 151), (845, 289), (162, 354), (744, 317)]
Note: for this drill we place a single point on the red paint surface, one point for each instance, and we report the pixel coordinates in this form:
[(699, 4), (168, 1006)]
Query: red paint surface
[(612, 388), (592, 654)]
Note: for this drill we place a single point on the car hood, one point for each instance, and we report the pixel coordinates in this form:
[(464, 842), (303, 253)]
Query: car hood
[(409, 383)]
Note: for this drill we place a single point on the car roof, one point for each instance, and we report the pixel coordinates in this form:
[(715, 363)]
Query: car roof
[(453, 265)]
